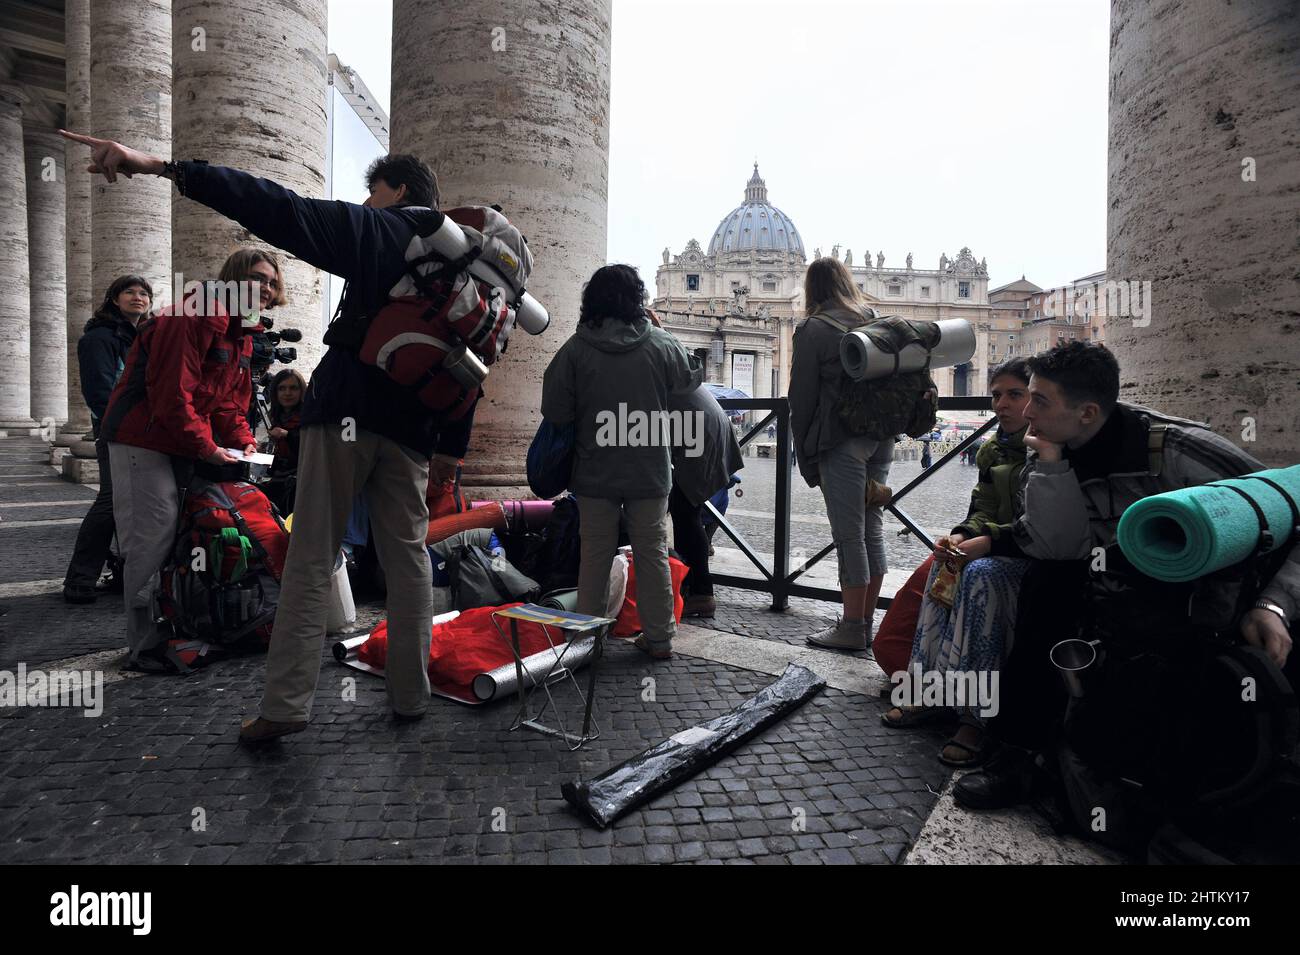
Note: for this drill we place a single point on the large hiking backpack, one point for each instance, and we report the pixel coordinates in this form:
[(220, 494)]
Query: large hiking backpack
[(901, 403), (1179, 724), (442, 326), (222, 581)]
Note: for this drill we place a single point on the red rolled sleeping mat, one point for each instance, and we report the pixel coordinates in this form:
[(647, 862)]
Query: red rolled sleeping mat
[(893, 644), (440, 528)]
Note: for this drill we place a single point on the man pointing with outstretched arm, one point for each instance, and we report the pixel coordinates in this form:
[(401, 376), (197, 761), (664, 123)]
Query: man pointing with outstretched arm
[(361, 430)]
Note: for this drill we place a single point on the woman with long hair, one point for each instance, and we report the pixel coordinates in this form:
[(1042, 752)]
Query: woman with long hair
[(618, 369), (829, 457), (181, 402)]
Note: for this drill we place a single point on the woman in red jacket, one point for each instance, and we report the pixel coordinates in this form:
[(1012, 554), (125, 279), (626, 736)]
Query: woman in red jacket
[(181, 401)]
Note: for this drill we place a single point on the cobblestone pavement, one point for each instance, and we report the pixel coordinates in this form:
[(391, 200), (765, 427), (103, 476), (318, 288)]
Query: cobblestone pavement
[(158, 777)]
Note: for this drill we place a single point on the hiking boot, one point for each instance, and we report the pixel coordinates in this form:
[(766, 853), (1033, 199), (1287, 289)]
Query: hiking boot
[(79, 593), (261, 730), (845, 635), (1008, 779), (161, 660), (700, 605)]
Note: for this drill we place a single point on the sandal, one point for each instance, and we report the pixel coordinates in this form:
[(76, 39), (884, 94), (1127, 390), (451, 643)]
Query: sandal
[(912, 716), (976, 753), (642, 644)]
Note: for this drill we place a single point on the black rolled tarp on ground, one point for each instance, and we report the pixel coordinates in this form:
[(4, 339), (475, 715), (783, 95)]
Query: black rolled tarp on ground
[(639, 779)]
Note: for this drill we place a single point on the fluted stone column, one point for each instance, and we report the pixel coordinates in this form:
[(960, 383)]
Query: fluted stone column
[(1203, 100), (45, 237), (130, 101), (81, 298), (508, 100), (249, 85), (15, 301)]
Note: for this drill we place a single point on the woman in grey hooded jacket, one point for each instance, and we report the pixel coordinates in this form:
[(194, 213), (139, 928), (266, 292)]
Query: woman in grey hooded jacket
[(611, 380)]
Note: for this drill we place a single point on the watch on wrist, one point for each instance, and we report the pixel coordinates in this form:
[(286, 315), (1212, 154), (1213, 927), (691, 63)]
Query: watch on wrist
[(1274, 608), (172, 170)]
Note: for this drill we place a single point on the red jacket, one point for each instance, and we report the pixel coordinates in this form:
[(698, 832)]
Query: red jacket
[(186, 386)]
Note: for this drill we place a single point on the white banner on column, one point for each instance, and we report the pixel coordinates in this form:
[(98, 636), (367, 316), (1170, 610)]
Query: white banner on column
[(742, 372)]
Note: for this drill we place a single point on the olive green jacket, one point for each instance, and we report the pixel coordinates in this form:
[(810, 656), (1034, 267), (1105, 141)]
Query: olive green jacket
[(1000, 460)]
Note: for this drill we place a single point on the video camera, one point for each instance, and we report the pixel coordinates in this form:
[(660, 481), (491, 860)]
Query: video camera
[(266, 345)]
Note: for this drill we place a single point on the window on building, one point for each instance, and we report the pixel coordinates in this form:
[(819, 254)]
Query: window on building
[(925, 291), (692, 283), (963, 290), (894, 288), (735, 284), (771, 286)]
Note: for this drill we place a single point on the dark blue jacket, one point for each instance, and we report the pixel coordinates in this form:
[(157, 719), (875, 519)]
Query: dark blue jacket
[(366, 247), (101, 356)]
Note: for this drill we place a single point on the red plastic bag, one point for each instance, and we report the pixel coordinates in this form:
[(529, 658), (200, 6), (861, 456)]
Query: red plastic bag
[(628, 622), (893, 644), (463, 648)]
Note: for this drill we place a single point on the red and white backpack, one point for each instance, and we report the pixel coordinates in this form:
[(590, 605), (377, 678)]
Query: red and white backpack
[(451, 314)]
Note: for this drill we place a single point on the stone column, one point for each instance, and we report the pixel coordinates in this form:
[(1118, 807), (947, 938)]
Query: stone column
[(130, 101), (508, 100), (249, 85), (1202, 166), (45, 236), (81, 298), (15, 303)]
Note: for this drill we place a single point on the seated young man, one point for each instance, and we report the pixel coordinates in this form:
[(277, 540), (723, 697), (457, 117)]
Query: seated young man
[(1091, 457)]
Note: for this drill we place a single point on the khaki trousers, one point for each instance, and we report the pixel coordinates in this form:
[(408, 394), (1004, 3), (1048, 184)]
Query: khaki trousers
[(145, 508), (647, 526), (331, 472)]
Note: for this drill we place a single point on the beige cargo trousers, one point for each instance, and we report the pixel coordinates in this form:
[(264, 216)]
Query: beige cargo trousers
[(332, 470)]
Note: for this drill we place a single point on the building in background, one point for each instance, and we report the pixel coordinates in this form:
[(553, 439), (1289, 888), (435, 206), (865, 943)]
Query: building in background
[(737, 302)]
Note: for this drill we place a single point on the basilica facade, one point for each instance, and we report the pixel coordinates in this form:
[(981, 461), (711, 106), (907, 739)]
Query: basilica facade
[(737, 303)]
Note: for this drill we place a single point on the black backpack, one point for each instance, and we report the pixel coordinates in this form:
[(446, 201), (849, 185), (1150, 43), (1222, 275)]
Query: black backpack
[(1180, 724)]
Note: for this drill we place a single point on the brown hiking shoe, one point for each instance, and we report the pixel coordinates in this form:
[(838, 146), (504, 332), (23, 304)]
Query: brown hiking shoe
[(260, 730), (700, 605)]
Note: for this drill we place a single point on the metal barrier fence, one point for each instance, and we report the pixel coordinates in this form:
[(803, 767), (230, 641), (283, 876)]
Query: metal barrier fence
[(781, 580)]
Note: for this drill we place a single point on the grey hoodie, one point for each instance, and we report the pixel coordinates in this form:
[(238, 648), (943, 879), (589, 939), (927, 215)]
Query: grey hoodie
[(608, 380)]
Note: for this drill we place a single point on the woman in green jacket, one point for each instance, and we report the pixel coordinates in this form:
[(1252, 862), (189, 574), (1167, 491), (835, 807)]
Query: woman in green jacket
[(974, 636)]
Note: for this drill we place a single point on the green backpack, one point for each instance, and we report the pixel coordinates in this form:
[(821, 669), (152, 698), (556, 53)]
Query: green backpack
[(902, 403)]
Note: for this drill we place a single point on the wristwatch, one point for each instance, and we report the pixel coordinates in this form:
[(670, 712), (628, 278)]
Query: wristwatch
[(1266, 605)]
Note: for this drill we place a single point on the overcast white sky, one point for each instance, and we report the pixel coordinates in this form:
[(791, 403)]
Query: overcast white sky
[(912, 126)]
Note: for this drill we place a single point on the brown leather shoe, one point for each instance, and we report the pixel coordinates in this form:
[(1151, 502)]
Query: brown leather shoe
[(878, 495), (259, 730), (700, 605)]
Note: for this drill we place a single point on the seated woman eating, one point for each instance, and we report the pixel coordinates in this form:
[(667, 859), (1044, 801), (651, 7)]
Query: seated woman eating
[(973, 637)]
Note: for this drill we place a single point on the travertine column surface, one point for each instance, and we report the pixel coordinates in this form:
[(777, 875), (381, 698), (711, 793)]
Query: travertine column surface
[(249, 88), (508, 100), (45, 238), (15, 301), (81, 299), (130, 102), (1203, 99)]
